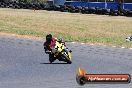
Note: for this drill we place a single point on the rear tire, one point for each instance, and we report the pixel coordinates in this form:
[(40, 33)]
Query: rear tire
[(51, 58)]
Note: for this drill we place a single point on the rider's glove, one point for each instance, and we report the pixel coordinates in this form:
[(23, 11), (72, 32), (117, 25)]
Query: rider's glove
[(45, 49)]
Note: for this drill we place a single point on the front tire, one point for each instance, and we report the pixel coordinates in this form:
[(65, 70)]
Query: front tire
[(66, 59)]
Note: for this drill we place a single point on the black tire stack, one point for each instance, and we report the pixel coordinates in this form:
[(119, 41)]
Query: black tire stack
[(17, 5), (66, 8), (91, 10)]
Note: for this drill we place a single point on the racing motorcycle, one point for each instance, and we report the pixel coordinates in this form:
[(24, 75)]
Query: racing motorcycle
[(57, 49)]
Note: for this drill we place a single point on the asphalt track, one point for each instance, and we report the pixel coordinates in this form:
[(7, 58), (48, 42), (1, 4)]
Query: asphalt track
[(23, 64)]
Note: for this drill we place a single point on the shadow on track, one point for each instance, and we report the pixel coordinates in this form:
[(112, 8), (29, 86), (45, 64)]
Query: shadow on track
[(53, 63)]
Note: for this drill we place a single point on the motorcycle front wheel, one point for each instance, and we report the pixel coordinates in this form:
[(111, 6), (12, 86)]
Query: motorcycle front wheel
[(66, 59)]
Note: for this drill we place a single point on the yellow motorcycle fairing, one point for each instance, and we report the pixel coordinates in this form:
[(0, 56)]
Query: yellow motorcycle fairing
[(69, 55), (59, 47)]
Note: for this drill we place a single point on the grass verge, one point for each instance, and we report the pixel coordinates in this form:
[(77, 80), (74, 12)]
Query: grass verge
[(97, 29)]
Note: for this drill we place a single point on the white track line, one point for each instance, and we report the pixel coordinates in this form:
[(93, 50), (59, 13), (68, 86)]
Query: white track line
[(73, 42), (82, 43), (122, 47), (91, 44), (103, 45), (113, 46)]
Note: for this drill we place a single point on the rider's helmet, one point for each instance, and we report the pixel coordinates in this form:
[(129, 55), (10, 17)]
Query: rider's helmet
[(48, 37)]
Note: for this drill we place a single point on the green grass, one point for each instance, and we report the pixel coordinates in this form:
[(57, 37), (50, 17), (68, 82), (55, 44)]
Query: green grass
[(21, 31), (96, 29)]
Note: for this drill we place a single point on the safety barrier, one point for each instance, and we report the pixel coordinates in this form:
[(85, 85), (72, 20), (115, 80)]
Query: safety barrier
[(83, 7), (108, 5)]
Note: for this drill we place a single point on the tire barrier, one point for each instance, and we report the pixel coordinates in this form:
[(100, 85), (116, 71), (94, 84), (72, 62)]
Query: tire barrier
[(66, 8)]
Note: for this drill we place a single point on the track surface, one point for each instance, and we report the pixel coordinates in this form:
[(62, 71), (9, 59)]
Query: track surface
[(23, 64)]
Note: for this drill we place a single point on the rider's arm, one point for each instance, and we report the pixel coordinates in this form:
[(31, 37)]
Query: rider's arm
[(46, 49)]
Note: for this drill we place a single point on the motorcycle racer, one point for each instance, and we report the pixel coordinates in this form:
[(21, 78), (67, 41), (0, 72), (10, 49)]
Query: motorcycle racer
[(49, 42)]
